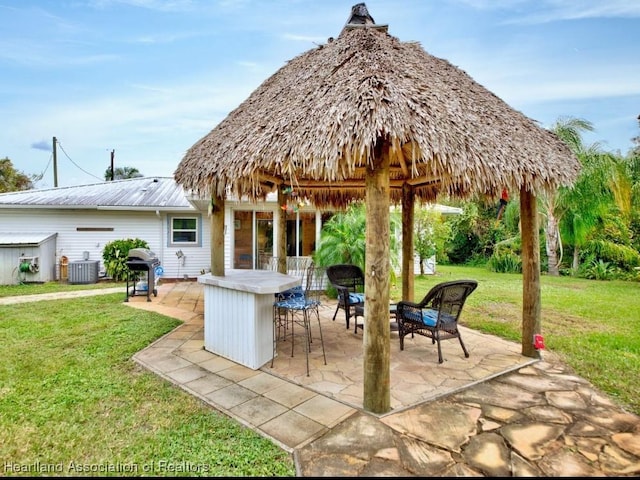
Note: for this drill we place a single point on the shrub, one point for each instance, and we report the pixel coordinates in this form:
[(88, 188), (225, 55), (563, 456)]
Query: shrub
[(598, 269), (115, 255), (621, 256), (505, 262)]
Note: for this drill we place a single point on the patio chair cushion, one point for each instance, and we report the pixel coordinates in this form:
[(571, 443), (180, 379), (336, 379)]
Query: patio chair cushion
[(429, 317), (294, 292), (356, 298), (296, 303), (295, 298)]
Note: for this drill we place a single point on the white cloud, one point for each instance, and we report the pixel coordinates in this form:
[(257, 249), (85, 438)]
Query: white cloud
[(536, 92), (39, 55), (165, 37), (159, 5), (545, 11), (130, 122), (305, 39)]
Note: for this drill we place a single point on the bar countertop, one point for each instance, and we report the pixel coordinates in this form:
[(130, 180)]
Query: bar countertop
[(253, 281)]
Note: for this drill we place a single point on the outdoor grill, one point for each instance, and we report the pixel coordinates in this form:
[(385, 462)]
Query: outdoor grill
[(141, 260)]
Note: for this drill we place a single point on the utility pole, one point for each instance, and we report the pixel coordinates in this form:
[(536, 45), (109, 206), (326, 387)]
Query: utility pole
[(113, 152), (55, 163)]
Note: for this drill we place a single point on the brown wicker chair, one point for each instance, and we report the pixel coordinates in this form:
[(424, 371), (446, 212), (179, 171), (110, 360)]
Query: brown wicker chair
[(436, 316), (348, 280)]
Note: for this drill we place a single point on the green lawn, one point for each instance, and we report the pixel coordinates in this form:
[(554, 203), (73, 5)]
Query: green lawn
[(50, 287), (70, 396), (593, 325)]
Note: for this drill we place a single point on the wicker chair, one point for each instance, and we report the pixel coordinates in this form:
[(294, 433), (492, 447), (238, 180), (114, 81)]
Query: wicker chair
[(436, 316), (348, 280)]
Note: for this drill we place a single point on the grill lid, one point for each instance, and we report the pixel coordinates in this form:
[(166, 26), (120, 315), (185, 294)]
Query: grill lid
[(143, 254)]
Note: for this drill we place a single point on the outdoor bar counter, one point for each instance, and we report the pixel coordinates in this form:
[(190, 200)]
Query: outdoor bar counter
[(238, 314)]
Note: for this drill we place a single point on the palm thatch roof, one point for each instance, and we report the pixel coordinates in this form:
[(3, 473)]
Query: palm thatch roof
[(316, 123)]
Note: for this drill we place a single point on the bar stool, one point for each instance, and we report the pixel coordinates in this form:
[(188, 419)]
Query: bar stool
[(295, 309), (281, 314)]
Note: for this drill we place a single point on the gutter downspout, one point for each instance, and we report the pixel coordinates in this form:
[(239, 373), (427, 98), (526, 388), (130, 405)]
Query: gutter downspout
[(162, 239)]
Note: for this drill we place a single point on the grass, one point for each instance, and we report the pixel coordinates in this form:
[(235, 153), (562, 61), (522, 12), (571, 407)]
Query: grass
[(71, 396), (51, 287), (72, 399), (594, 326)]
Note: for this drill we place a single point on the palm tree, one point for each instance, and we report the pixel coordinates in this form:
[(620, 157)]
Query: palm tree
[(603, 188), (590, 200), (613, 239), (343, 238), (554, 205), (633, 169), (607, 188), (121, 173)]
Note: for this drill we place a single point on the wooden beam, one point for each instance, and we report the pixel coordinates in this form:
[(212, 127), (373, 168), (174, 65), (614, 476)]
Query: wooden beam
[(531, 304), (422, 181), (403, 165), (305, 184), (376, 341), (265, 177)]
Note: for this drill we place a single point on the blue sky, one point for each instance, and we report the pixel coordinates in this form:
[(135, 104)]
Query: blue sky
[(148, 78)]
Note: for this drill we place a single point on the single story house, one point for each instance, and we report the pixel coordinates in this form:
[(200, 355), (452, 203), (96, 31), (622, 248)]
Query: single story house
[(82, 219)]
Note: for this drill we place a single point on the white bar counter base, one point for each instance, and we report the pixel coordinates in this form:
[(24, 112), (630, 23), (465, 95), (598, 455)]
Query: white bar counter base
[(238, 314)]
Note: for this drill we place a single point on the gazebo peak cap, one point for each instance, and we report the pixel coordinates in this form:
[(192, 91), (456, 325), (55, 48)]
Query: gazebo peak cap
[(360, 18)]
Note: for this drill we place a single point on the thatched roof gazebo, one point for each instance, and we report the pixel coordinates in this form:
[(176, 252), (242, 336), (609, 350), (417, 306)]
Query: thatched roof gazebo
[(366, 116)]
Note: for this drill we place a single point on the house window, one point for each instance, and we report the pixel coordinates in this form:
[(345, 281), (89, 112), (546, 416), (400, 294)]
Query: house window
[(185, 230)]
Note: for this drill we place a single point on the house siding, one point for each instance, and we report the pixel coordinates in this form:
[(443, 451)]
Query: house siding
[(146, 225), (195, 259)]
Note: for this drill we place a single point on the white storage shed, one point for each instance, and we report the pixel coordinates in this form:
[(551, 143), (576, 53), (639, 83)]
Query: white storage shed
[(27, 257)]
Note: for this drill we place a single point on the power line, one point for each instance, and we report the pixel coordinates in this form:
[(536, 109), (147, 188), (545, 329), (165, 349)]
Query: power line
[(74, 163), (41, 176)]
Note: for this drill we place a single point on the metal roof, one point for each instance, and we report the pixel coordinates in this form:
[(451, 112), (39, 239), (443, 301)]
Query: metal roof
[(24, 239), (142, 193)]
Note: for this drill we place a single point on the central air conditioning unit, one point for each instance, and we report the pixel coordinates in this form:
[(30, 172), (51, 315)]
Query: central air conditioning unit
[(83, 271), (28, 264)]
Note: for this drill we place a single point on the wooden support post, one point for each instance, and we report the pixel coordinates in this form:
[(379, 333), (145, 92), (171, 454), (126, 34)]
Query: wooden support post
[(407, 243), (217, 235), (531, 323), (376, 342), (282, 232)]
